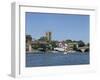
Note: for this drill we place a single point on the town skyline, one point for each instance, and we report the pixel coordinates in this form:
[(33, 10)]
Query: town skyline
[(39, 23)]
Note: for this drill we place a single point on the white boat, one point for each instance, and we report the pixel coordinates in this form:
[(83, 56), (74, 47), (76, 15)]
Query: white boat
[(54, 51), (65, 52), (59, 49), (71, 51)]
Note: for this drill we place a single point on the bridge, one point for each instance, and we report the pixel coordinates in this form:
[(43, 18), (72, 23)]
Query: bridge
[(83, 49)]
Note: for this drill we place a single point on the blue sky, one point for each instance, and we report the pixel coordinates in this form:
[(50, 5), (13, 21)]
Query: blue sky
[(62, 26)]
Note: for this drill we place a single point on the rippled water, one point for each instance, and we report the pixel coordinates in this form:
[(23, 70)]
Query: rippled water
[(37, 59)]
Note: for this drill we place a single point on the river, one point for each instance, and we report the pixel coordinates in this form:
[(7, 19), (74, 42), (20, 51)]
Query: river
[(37, 59)]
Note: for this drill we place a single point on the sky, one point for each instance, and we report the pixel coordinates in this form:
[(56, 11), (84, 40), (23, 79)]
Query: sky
[(62, 26)]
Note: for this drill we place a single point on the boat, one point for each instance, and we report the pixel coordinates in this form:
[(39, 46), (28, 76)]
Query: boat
[(59, 49)]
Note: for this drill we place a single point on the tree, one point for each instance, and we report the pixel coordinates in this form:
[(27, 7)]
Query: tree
[(42, 38), (28, 38), (68, 41), (74, 41), (54, 44), (28, 43), (88, 44), (74, 47), (81, 43), (43, 47), (36, 45)]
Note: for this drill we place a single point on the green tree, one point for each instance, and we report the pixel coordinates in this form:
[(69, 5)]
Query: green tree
[(74, 47), (54, 44), (88, 44), (28, 38), (81, 43), (68, 41), (74, 41), (28, 42), (35, 46), (42, 38)]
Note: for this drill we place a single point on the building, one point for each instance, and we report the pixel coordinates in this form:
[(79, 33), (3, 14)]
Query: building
[(72, 45), (48, 36)]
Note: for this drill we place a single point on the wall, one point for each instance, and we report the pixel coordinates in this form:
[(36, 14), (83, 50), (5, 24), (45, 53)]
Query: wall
[(5, 40)]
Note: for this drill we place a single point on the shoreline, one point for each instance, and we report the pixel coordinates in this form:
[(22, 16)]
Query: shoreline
[(54, 52)]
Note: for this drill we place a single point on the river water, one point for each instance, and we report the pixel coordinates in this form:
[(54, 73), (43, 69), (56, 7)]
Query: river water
[(37, 59)]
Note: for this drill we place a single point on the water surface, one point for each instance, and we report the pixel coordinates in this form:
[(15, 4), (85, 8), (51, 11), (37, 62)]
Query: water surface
[(37, 59)]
